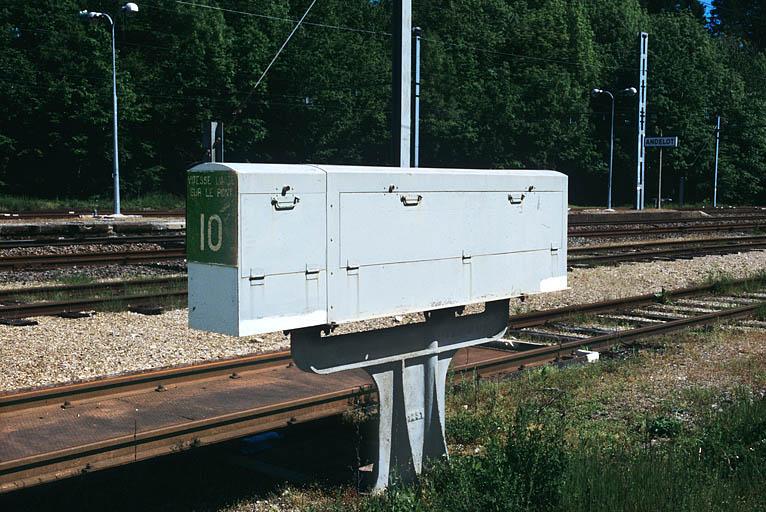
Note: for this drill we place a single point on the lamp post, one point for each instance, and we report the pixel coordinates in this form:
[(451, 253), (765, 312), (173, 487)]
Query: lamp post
[(630, 91), (128, 8)]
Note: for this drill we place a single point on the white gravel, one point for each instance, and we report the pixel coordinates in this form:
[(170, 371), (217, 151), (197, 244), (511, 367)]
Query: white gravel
[(603, 283), (61, 350)]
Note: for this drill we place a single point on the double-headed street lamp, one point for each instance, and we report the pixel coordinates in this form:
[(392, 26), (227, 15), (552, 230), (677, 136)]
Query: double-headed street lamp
[(128, 8), (630, 91)]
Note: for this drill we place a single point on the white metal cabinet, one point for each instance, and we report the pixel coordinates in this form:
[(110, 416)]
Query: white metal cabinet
[(322, 244), (410, 240)]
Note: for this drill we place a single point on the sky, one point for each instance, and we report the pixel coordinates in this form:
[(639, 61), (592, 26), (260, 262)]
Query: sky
[(707, 4)]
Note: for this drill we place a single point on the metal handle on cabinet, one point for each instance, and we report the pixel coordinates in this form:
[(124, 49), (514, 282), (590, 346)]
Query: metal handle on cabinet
[(285, 202), (411, 200), (516, 199)]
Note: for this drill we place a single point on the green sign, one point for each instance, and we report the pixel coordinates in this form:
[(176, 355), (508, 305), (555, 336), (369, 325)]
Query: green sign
[(211, 217)]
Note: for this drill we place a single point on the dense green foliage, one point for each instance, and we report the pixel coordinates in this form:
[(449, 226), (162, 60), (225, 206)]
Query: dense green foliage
[(505, 84)]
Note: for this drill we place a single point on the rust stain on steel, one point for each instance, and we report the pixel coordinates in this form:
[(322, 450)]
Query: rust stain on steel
[(49, 442), (136, 381)]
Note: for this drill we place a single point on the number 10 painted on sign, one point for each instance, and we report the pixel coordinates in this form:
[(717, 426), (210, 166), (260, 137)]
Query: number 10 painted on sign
[(215, 247)]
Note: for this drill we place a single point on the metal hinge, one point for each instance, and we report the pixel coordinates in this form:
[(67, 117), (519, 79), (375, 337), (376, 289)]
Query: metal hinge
[(257, 277), (352, 268), (312, 272)]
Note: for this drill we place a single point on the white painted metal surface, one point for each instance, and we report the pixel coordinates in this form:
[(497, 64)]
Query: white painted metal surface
[(643, 76), (316, 245)]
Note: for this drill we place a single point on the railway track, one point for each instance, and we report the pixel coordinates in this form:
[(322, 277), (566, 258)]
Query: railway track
[(577, 229), (578, 256), (589, 256), (62, 431), (38, 301), (174, 239), (574, 221), (96, 258), (73, 214), (657, 228)]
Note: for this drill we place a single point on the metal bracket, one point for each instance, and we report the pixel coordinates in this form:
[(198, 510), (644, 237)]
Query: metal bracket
[(409, 365)]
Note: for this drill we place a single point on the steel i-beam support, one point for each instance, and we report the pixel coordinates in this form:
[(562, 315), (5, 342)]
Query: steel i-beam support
[(409, 365)]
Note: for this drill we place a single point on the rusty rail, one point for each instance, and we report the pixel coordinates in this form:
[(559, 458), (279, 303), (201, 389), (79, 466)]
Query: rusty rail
[(102, 258)]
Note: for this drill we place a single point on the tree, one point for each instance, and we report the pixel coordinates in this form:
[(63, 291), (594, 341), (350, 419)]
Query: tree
[(742, 19)]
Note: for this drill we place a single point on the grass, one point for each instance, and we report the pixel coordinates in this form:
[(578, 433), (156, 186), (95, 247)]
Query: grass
[(610, 436), (129, 287), (723, 283), (159, 201), (719, 465)]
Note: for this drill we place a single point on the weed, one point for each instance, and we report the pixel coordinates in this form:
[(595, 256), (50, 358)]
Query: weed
[(664, 426)]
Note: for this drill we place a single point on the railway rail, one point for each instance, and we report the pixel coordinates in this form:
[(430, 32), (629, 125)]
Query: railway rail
[(179, 240), (16, 303), (61, 431), (586, 255), (665, 249), (73, 214), (657, 228), (578, 228), (38, 301), (40, 261), (712, 219), (173, 239)]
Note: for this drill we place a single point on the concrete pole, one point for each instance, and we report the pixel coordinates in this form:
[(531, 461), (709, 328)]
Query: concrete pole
[(717, 153), (416, 159), (401, 113), (611, 155), (116, 172), (659, 184)]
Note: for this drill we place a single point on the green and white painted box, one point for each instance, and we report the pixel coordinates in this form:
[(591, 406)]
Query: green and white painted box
[(279, 247)]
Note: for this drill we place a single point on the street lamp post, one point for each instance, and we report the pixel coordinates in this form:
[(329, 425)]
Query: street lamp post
[(129, 7), (631, 91)]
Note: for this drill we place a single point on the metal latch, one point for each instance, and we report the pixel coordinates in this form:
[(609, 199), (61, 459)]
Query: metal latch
[(257, 277), (516, 199), (411, 199), (466, 257), (312, 272), (285, 201), (352, 268), (554, 249)]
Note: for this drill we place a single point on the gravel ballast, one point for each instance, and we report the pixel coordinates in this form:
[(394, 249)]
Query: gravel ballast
[(60, 350)]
